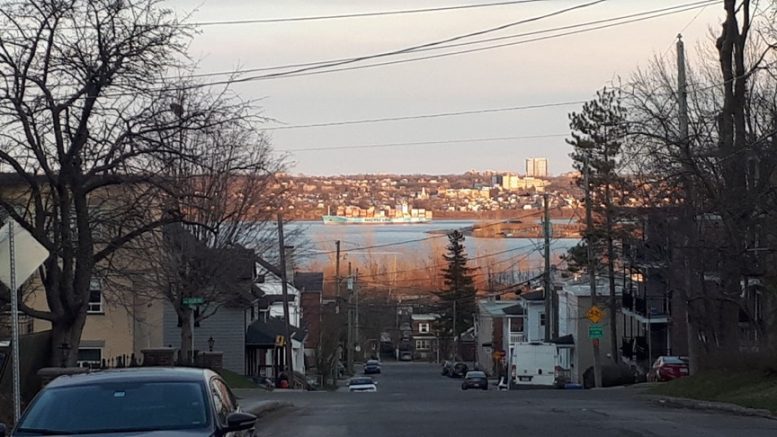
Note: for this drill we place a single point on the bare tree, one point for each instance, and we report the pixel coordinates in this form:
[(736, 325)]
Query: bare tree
[(721, 176), (225, 206), (82, 103)]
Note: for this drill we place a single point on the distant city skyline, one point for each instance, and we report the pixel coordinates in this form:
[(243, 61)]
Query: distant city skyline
[(527, 75)]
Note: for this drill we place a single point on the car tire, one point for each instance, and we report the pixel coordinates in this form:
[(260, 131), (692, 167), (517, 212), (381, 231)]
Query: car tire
[(464, 387)]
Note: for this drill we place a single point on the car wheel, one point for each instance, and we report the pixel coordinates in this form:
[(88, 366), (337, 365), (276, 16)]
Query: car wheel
[(463, 386)]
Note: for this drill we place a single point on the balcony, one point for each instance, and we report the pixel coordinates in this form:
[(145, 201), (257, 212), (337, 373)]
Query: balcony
[(650, 309)]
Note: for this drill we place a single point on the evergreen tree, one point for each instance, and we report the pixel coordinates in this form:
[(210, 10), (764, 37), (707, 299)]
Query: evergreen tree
[(457, 300), (598, 133)]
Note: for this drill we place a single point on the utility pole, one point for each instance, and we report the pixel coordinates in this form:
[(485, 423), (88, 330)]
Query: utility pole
[(551, 322), (349, 334), (591, 268), (682, 89), (285, 289), (337, 277), (356, 297), (690, 237)]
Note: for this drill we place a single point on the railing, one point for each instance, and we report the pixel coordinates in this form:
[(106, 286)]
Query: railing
[(517, 337)]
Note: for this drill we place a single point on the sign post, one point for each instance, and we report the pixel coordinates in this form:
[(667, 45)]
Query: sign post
[(32, 255), (193, 302)]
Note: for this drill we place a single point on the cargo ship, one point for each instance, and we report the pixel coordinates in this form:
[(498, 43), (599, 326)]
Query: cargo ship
[(402, 214)]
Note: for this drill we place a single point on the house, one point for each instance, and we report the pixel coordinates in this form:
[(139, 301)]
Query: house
[(499, 324), (575, 347), (265, 335), (311, 285), (425, 341)]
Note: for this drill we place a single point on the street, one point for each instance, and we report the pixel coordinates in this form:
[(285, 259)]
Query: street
[(413, 399)]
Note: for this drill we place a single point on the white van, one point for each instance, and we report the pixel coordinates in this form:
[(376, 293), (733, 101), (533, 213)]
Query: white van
[(535, 363)]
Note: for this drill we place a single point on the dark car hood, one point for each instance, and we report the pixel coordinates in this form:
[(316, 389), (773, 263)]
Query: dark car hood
[(166, 433)]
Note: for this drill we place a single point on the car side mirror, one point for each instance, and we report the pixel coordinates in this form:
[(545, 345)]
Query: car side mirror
[(238, 421), (3, 429)]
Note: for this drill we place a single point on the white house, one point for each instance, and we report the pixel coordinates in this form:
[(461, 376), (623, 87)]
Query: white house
[(574, 303)]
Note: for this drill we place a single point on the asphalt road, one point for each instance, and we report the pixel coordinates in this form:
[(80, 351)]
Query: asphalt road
[(414, 400)]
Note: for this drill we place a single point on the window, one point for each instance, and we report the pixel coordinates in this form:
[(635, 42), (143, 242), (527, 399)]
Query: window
[(95, 305), (124, 408), (423, 328), (90, 357), (222, 399), (423, 345), (542, 319)]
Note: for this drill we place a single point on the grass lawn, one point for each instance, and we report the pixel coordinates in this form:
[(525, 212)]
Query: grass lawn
[(753, 389), (234, 380)]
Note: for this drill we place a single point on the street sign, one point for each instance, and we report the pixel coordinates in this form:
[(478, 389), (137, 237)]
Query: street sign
[(280, 341), (595, 331), (193, 301), (28, 254), (595, 315)]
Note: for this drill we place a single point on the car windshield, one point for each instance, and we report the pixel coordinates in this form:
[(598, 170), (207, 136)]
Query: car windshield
[(372, 363), (117, 407), (361, 381), (674, 361), (476, 375)]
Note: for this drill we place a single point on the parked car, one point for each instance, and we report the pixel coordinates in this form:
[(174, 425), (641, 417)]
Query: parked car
[(459, 370), (362, 384), (475, 379), (136, 401), (447, 368), (667, 368), (406, 356), (371, 366)]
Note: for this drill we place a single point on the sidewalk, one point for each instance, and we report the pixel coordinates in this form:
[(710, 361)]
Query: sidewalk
[(264, 407), (694, 404)]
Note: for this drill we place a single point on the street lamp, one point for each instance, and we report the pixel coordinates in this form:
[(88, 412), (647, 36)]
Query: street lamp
[(211, 342)]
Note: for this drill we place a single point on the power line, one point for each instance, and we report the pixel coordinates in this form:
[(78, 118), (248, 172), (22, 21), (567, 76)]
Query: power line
[(442, 55), (426, 116), (335, 63), (307, 67), (362, 14), (440, 42), (423, 143)]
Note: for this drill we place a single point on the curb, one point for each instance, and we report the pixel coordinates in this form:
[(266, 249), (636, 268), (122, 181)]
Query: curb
[(675, 402), (268, 407)]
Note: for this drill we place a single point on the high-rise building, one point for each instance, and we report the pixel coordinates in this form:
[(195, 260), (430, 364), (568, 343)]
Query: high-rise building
[(537, 167)]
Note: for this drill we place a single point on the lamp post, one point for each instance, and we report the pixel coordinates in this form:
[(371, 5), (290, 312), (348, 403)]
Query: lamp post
[(211, 342)]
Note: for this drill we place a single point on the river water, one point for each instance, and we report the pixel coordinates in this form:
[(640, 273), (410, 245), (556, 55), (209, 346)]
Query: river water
[(414, 243)]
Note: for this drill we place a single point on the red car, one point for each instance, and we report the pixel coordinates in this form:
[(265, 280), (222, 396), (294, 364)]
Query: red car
[(667, 368)]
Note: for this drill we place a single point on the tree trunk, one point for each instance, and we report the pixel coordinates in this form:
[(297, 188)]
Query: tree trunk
[(65, 341), (186, 354)]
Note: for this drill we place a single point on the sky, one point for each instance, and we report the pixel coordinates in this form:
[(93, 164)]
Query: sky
[(565, 69)]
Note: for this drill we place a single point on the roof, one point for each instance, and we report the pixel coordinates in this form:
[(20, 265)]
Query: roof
[(494, 308), (533, 295), (264, 333), (178, 374), (514, 310), (276, 289), (309, 282)]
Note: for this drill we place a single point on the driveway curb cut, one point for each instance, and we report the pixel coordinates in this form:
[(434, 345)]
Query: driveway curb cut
[(671, 401)]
